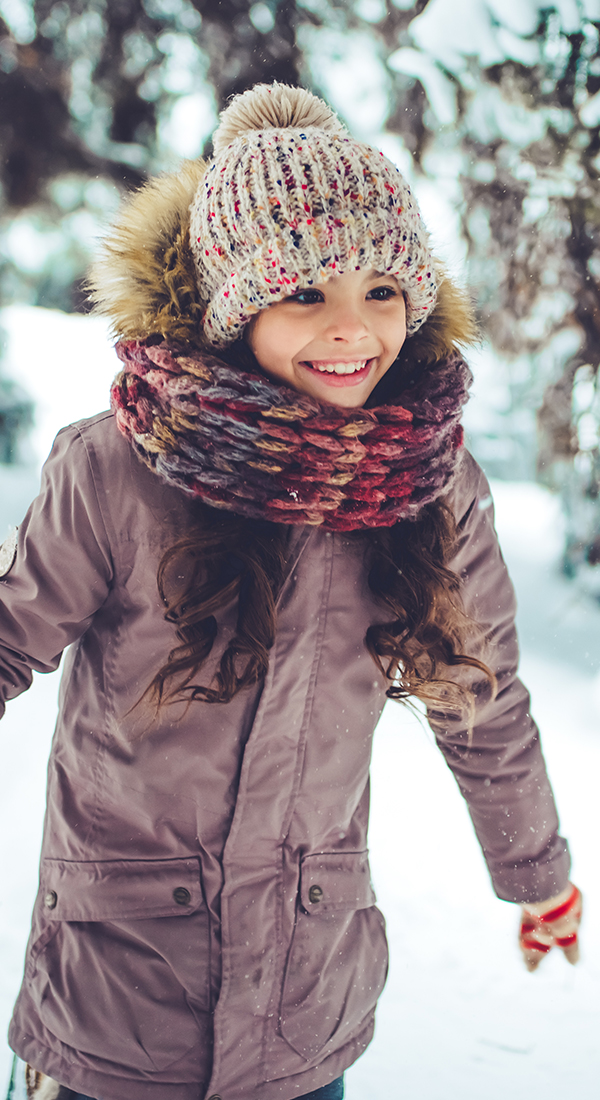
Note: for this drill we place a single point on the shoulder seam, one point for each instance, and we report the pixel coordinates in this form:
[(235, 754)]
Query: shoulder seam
[(109, 541)]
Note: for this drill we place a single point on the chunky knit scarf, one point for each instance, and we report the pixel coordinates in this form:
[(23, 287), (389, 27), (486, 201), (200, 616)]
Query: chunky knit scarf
[(239, 441)]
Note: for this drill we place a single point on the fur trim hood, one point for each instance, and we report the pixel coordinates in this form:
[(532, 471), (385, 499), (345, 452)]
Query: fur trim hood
[(144, 279)]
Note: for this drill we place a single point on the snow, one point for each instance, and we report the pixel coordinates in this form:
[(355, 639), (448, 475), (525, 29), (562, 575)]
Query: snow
[(331, 56), (589, 113), (460, 1017), (440, 91), (454, 30), (19, 17), (190, 121), (67, 365)]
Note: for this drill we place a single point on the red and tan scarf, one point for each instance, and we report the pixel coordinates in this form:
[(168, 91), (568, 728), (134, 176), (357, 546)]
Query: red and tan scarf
[(239, 441)]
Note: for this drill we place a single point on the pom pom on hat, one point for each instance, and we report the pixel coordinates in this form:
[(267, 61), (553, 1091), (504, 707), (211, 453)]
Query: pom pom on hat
[(277, 106), (290, 200)]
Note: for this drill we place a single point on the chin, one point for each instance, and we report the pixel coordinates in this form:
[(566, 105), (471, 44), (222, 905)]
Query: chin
[(343, 401)]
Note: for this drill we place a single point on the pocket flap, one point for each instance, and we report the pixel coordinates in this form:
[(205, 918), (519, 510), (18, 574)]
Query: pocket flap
[(123, 889), (333, 881)]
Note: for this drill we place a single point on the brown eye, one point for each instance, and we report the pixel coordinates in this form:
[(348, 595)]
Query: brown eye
[(306, 297), (382, 293)]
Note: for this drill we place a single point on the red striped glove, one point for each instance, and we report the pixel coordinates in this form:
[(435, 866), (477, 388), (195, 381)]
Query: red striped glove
[(545, 924)]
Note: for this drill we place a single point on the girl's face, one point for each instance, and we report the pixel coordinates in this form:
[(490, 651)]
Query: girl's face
[(334, 341)]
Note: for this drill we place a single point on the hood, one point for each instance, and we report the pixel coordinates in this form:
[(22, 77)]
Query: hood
[(144, 280)]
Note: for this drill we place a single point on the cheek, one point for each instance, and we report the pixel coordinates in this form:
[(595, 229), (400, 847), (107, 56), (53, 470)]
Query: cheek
[(275, 339), (259, 335), (395, 335), (270, 340)]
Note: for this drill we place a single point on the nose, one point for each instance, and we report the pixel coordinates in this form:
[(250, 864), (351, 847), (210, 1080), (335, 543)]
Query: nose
[(346, 325)]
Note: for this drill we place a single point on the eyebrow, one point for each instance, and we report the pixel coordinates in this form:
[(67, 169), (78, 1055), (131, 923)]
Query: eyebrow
[(381, 275)]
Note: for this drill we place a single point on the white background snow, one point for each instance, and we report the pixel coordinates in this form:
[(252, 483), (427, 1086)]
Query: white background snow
[(460, 1017)]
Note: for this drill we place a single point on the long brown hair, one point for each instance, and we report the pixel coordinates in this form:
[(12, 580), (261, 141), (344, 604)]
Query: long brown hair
[(223, 557), (145, 283)]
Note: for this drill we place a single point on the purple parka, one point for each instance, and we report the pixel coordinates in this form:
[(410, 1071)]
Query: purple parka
[(205, 924)]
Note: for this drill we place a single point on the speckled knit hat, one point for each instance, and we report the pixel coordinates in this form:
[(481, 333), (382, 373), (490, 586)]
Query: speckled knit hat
[(290, 200)]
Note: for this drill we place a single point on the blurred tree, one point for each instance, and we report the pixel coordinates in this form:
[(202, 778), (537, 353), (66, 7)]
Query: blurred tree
[(92, 103), (520, 137), (15, 418), (95, 95), (531, 217)]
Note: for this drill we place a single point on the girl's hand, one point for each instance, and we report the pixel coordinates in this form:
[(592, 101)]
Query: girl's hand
[(546, 923)]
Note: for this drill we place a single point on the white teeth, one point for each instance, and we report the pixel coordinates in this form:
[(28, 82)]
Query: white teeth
[(339, 368)]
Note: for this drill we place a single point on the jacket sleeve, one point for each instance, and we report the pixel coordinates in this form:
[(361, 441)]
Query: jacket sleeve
[(501, 772), (61, 573)]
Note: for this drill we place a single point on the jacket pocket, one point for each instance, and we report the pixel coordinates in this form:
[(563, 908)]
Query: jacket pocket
[(120, 968), (337, 962)]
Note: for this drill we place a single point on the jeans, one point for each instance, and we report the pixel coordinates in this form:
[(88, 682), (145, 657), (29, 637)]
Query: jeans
[(16, 1089), (333, 1091)]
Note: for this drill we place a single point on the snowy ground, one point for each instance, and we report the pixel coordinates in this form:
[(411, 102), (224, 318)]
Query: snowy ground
[(460, 1017)]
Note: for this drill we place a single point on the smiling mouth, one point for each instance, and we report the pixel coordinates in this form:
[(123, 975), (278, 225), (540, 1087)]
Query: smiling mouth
[(347, 368)]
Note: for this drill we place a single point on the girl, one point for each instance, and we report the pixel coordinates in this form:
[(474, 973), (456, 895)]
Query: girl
[(274, 529)]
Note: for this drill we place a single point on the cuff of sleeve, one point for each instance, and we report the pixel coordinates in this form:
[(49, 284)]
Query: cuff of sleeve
[(533, 880)]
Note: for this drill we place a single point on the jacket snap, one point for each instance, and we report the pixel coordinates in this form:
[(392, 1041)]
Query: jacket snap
[(315, 894), (8, 552), (51, 899), (182, 896)]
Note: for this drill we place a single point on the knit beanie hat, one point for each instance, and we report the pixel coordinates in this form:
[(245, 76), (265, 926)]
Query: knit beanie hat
[(291, 199)]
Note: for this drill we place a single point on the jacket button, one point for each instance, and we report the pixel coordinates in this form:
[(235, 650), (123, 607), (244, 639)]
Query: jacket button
[(182, 896), (51, 899), (315, 894), (215, 1096)]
